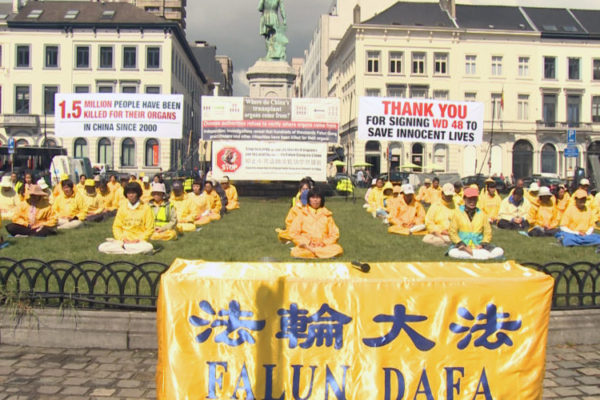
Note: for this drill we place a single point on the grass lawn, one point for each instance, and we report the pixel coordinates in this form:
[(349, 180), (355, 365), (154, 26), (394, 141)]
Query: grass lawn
[(248, 234)]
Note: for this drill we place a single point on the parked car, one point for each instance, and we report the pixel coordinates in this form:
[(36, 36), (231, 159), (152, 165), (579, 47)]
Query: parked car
[(396, 177), (550, 181), (480, 179)]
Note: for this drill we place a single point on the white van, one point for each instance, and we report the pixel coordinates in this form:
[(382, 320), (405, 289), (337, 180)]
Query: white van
[(74, 167)]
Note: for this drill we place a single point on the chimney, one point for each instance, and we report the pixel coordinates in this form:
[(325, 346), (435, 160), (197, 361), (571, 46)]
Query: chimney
[(449, 6), (356, 15)]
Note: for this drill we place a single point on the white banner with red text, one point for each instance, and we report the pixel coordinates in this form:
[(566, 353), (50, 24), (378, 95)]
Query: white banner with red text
[(273, 119), (420, 120), (256, 160), (118, 115)]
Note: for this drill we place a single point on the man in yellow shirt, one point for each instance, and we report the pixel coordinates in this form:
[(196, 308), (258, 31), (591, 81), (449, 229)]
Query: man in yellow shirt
[(409, 219), (183, 207), (435, 191), (146, 190), (458, 194), (423, 193), (543, 219), (199, 204), (577, 223), (93, 204), (113, 183), (69, 207), (490, 201), (513, 211), (438, 217), (375, 200), (231, 192), (214, 201), (108, 198), (133, 225)]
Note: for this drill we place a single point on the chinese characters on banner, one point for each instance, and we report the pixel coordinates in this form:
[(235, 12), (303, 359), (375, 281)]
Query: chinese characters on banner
[(320, 331), (420, 120)]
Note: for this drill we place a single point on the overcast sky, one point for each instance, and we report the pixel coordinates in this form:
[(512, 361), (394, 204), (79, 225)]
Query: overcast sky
[(232, 25)]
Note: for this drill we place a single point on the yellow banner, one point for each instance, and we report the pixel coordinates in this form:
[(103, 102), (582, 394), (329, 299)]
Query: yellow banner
[(278, 331)]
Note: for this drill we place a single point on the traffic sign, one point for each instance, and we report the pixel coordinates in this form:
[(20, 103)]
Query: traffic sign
[(571, 136), (11, 145), (571, 152)]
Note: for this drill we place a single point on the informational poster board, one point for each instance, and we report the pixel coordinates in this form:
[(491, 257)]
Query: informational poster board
[(118, 115), (327, 330), (420, 120)]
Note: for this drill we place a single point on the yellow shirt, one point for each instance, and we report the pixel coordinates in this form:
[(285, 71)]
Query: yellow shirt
[(438, 216), (133, 224), (69, 207), (146, 193), (423, 194), (113, 186), (92, 204), (435, 194), (8, 203), (214, 201), (108, 199), (199, 204), (578, 220), (44, 215), (490, 204), (544, 215), (232, 197), (471, 232), (375, 199), (184, 208)]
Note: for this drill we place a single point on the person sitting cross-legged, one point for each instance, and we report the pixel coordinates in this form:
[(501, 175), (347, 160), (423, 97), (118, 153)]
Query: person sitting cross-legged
[(93, 204), (232, 195), (513, 211), (577, 223), (34, 216), (8, 198), (184, 208), (284, 234), (133, 225), (470, 231), (69, 207), (408, 219), (438, 217), (544, 217), (165, 216), (490, 201), (314, 231)]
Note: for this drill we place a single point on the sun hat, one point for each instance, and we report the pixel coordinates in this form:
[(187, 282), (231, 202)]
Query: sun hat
[(36, 190), (544, 191), (534, 187), (158, 188)]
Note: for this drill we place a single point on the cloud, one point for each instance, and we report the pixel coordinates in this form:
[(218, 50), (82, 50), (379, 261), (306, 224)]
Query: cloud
[(240, 83)]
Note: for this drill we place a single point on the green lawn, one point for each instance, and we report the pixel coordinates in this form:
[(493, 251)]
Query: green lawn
[(249, 234)]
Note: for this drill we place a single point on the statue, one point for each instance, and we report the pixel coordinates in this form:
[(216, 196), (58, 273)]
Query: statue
[(273, 29)]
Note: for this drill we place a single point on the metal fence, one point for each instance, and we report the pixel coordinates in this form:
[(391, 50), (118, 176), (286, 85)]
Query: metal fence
[(128, 286)]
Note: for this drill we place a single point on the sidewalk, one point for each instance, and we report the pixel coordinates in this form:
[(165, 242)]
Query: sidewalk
[(30, 373)]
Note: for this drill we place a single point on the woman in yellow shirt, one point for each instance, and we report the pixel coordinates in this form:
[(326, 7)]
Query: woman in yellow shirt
[(33, 217)]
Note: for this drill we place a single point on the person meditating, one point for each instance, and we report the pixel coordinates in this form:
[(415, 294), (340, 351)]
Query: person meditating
[(438, 217), (133, 225), (410, 218), (165, 216), (231, 192), (543, 219), (34, 216), (284, 234), (577, 223), (69, 207), (313, 231)]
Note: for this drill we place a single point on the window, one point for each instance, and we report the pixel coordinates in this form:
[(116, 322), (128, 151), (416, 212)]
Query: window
[(49, 92), (549, 67), (523, 66), (23, 56), (82, 57), (396, 91), (152, 153), (82, 89), (440, 64), (470, 96), (129, 57), (104, 151), (152, 89), (105, 89), (22, 100), (128, 153), (51, 57), (523, 107), (373, 61), (106, 57), (573, 110), (418, 63), (496, 106), (470, 65), (372, 92), (396, 62), (497, 65), (549, 159), (596, 109), (595, 68), (153, 57), (129, 89), (574, 68), (441, 95), (549, 110), (80, 148), (419, 92)]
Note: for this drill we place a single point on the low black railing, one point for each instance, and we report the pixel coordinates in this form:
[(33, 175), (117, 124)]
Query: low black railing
[(128, 286)]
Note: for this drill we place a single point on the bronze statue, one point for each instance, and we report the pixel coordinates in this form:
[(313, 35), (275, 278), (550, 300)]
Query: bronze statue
[(273, 29)]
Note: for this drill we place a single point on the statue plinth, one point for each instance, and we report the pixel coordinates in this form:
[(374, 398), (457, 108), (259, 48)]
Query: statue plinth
[(271, 79)]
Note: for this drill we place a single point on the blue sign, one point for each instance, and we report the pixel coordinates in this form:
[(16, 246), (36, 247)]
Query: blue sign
[(571, 152), (571, 136), (11, 146)]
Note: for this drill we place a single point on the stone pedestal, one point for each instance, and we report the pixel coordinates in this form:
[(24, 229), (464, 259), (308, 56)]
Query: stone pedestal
[(271, 79)]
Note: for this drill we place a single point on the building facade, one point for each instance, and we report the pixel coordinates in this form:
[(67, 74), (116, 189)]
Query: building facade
[(537, 71), (81, 47)]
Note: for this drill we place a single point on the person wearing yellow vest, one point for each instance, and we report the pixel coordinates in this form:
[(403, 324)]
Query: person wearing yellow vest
[(33, 217), (543, 219), (410, 219), (232, 194), (133, 225), (93, 204), (438, 217), (435, 191), (214, 201), (577, 223), (424, 193), (490, 201), (146, 190), (314, 231), (165, 216), (471, 232), (183, 207), (8, 198), (284, 234), (69, 207)]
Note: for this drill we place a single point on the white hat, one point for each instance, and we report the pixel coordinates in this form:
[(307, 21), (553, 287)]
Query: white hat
[(408, 189), (544, 191), (146, 179), (373, 181), (5, 183), (448, 189), (158, 187), (534, 187), (42, 183), (584, 181)]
